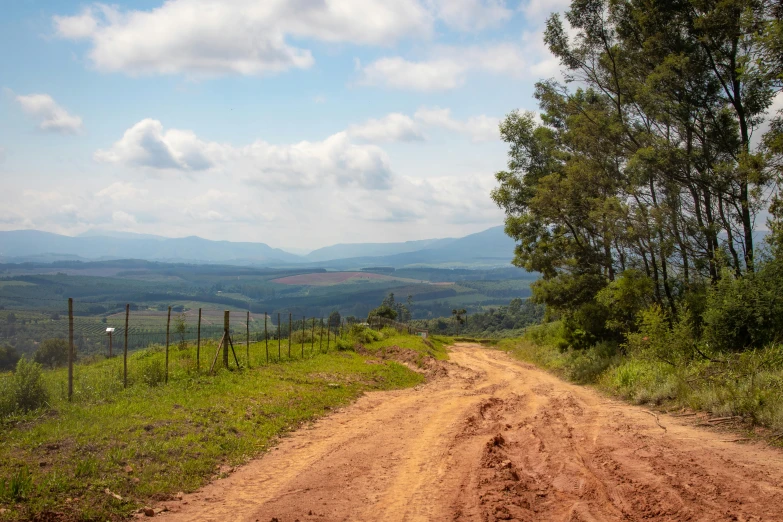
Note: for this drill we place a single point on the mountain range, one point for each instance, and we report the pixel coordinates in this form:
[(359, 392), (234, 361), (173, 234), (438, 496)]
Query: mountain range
[(488, 248)]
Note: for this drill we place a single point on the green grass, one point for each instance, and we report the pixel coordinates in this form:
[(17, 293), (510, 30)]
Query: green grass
[(747, 384), (152, 440)]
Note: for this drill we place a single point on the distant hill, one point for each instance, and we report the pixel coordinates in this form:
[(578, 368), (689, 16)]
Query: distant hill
[(352, 250), (36, 244), (490, 248)]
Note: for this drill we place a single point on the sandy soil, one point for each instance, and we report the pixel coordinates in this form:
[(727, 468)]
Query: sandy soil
[(496, 439)]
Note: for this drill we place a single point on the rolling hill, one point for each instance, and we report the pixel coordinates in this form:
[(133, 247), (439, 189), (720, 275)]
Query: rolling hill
[(490, 248)]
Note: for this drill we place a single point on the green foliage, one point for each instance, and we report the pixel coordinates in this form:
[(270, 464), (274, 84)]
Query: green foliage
[(17, 486), (52, 353), (660, 339), (8, 358), (24, 390), (383, 311), (744, 312), (503, 321), (624, 298)]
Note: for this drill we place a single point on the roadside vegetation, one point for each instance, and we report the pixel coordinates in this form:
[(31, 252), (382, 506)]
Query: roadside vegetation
[(111, 450), (638, 196)]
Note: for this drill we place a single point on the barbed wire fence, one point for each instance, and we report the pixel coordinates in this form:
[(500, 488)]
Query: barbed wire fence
[(219, 337)]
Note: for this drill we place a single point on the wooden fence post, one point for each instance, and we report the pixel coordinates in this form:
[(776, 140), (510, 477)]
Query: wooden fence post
[(247, 340), (290, 317), (321, 337), (198, 343), (328, 327), (226, 326), (304, 319), (168, 323), (266, 339), (279, 353), (70, 348), (312, 337), (125, 351)]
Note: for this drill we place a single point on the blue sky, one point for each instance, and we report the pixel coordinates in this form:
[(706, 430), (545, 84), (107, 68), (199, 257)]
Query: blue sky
[(298, 123)]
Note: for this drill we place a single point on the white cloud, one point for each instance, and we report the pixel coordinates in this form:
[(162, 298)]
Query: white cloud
[(539, 10), (392, 127), (146, 145), (52, 117), (398, 73), (215, 37), (446, 69), (305, 164), (480, 128), (308, 164), (471, 15)]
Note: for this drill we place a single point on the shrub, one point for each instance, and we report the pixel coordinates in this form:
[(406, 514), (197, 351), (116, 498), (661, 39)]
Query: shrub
[(344, 344), (746, 311), (657, 339), (52, 353), (153, 371), (23, 391), (586, 366)]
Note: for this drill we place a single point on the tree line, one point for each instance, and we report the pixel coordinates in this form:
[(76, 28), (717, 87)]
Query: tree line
[(641, 185)]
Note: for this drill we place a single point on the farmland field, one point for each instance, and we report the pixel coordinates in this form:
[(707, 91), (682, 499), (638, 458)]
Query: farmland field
[(335, 278)]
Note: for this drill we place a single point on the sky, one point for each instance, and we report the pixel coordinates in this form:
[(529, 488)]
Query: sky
[(297, 123)]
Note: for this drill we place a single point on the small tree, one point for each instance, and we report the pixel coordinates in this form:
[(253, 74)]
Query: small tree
[(52, 353), (459, 317), (334, 319), (181, 328)]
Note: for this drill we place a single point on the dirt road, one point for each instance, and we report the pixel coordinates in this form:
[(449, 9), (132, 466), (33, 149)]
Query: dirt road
[(496, 439)]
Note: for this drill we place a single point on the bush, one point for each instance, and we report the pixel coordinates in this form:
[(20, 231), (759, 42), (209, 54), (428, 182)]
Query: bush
[(52, 353), (586, 366), (153, 371), (24, 390), (344, 344), (657, 339), (745, 312)]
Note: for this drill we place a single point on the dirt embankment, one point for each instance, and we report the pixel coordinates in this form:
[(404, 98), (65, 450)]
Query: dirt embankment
[(493, 439)]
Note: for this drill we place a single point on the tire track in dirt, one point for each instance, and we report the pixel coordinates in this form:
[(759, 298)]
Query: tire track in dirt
[(491, 439)]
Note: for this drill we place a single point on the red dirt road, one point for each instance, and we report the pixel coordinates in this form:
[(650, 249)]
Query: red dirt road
[(496, 439)]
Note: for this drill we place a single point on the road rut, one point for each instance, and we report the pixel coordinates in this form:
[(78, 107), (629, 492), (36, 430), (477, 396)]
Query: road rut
[(496, 439)]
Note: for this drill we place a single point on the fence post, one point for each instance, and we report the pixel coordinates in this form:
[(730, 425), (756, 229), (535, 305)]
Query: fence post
[(168, 323), (304, 319), (266, 339), (70, 348), (312, 337), (198, 343), (290, 317), (279, 353), (125, 351), (321, 337), (328, 328), (247, 340), (226, 326)]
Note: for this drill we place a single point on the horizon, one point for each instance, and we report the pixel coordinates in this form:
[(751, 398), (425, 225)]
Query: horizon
[(96, 233), (327, 131)]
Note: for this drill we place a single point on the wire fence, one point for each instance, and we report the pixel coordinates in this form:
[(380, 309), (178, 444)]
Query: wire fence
[(205, 339)]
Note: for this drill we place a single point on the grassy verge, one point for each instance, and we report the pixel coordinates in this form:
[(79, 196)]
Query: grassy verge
[(148, 442), (748, 385)]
